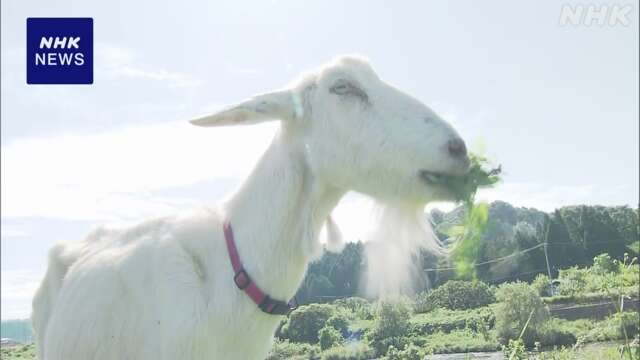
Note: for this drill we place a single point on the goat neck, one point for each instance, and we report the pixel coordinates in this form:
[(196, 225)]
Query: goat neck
[(277, 214)]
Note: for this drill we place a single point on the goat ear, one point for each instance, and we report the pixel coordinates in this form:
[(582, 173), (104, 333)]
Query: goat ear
[(280, 105)]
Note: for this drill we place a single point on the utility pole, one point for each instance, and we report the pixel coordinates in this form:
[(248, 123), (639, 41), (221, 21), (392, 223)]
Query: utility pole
[(546, 254)]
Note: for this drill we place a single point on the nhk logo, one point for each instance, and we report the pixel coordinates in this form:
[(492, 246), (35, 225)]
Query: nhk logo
[(59, 51), (57, 58)]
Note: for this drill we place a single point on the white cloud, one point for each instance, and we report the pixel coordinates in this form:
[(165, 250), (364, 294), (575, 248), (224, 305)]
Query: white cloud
[(110, 175), (9, 231), (245, 71), (17, 289), (539, 196), (113, 61)]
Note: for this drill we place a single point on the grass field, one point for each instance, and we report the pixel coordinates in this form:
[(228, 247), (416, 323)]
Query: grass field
[(18, 352)]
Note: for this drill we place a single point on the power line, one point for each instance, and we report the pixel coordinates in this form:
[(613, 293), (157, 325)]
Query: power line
[(587, 243), (493, 260), (515, 276), (520, 252)]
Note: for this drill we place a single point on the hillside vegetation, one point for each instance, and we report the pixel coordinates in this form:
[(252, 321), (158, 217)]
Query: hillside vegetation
[(512, 248), (511, 306)]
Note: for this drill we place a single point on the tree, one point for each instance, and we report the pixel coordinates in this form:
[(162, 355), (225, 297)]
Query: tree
[(519, 306), (390, 328), (329, 337), (305, 322), (457, 295), (333, 276)]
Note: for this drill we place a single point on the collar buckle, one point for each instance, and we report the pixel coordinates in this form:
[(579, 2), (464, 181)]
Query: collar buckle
[(242, 279)]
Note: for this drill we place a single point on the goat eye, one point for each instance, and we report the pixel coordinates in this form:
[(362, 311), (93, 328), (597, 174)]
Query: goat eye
[(343, 87), (340, 88)]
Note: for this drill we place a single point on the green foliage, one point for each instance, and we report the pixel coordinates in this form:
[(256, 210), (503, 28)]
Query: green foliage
[(282, 350), (305, 322), (629, 270), (353, 352), (441, 320), (334, 275), (465, 187), (467, 244), (457, 341), (519, 305), (391, 325), (330, 337), (339, 322), (599, 352), (411, 352), (510, 230), (514, 350), (614, 327), (554, 332), (20, 352), (575, 236), (358, 307), (542, 285), (467, 236), (606, 276), (572, 281), (604, 264), (589, 298), (455, 295), (582, 232), (452, 331), (634, 248)]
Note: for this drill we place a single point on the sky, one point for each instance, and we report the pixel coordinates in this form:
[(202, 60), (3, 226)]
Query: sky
[(556, 104)]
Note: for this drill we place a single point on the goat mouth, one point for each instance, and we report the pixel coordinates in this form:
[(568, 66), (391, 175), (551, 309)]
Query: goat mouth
[(436, 178)]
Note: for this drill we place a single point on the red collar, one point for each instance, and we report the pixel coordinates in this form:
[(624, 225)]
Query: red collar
[(244, 282)]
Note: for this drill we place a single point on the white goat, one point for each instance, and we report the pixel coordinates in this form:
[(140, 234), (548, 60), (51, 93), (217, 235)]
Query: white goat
[(164, 289)]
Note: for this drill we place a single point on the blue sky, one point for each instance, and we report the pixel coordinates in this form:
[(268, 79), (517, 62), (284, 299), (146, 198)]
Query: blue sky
[(556, 105)]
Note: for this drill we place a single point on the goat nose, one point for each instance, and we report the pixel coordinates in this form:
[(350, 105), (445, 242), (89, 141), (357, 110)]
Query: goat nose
[(457, 148)]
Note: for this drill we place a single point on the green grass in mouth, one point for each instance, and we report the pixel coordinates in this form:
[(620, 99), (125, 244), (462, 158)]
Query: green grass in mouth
[(467, 236)]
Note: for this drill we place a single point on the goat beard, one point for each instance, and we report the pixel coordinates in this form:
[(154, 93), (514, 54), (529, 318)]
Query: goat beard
[(401, 234)]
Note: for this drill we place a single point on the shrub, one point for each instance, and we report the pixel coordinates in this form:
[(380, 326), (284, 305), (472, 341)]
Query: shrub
[(614, 328), (422, 303), (339, 322), (607, 275), (628, 323), (359, 307), (305, 322), (329, 337), (287, 350), (603, 264), (589, 298), (456, 295), (355, 352), (514, 350), (573, 281), (629, 272), (605, 282), (443, 320), (457, 341), (555, 333), (411, 352), (391, 325), (542, 285), (518, 302)]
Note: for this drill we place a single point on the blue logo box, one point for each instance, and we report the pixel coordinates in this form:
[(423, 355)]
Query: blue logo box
[(59, 51)]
